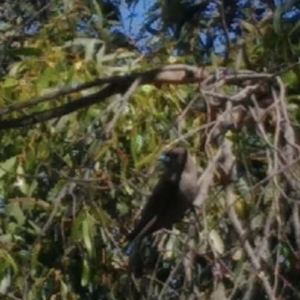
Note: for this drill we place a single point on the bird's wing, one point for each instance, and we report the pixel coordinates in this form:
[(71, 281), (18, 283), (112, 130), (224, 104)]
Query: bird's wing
[(155, 204), (188, 185)]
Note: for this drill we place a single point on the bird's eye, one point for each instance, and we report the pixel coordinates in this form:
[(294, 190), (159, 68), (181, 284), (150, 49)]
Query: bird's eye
[(165, 157)]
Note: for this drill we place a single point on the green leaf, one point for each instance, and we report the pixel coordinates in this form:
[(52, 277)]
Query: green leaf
[(87, 229), (216, 241), (85, 278), (148, 158), (21, 182), (219, 292), (99, 14), (32, 188), (7, 166), (147, 89), (290, 78), (248, 26), (8, 259), (26, 51), (6, 238), (12, 227), (16, 68), (10, 82), (14, 210), (295, 29), (49, 75), (64, 289), (36, 228), (122, 208), (77, 227), (277, 19), (5, 280)]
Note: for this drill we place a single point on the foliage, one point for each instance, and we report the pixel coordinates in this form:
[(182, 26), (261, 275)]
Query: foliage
[(72, 187)]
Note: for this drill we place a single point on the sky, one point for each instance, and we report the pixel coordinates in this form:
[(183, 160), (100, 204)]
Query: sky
[(133, 19), (134, 16)]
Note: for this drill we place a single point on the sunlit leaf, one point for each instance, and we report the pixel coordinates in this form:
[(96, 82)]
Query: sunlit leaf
[(219, 293), (85, 276), (250, 27), (7, 166), (87, 234), (14, 210), (10, 82), (7, 258), (122, 208), (5, 281), (216, 241)]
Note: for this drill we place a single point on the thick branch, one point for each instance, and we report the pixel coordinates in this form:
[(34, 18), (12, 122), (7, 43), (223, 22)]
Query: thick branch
[(176, 74)]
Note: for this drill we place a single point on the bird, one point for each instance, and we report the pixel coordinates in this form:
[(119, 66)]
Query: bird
[(171, 197)]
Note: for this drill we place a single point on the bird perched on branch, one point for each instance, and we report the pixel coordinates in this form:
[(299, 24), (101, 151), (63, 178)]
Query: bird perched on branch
[(171, 197)]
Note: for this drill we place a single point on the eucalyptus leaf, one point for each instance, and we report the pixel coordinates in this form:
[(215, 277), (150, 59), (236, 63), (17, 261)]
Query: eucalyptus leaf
[(85, 276), (10, 82), (87, 234), (216, 241), (14, 210)]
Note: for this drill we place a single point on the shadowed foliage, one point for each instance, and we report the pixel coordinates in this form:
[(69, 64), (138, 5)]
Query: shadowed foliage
[(74, 184)]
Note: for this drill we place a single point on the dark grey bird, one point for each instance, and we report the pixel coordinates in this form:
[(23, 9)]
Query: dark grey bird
[(171, 197)]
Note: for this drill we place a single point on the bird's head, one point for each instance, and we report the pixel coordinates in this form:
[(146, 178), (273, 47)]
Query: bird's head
[(174, 159)]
